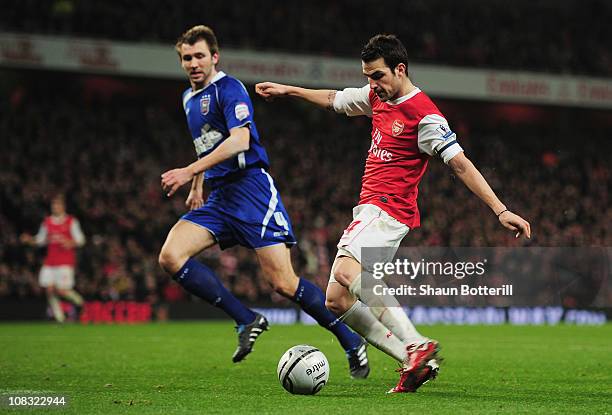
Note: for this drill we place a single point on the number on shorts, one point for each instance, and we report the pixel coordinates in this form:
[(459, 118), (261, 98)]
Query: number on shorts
[(281, 221)]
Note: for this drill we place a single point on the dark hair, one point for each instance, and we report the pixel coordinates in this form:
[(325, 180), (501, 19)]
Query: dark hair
[(195, 34), (388, 47)]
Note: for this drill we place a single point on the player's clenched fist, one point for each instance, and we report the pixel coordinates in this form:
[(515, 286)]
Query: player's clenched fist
[(270, 90)]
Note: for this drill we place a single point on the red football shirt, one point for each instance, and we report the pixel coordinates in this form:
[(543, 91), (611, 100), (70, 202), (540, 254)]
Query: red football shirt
[(53, 231), (405, 133)]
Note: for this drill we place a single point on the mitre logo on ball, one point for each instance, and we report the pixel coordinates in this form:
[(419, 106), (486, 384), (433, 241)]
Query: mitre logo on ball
[(397, 127)]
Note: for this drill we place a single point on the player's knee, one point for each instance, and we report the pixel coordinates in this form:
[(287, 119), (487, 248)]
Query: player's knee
[(333, 305), (50, 290), (170, 261), (338, 301)]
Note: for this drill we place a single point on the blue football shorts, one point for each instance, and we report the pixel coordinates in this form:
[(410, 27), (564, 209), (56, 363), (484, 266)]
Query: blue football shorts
[(245, 211)]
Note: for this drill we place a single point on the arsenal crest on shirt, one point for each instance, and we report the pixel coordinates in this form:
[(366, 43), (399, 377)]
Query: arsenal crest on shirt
[(397, 127), (204, 104)]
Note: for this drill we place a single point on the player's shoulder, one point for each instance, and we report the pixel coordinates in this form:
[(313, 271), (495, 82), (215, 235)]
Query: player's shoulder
[(423, 105), (228, 82), (423, 101)]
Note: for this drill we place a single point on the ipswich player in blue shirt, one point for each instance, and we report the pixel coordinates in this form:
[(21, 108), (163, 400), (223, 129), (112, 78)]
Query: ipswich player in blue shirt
[(243, 208)]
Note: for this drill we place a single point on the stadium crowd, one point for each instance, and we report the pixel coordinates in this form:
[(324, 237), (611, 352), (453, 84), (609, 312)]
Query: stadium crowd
[(544, 35), (107, 154)]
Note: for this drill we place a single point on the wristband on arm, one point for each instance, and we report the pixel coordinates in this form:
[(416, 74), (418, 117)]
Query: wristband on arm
[(505, 210)]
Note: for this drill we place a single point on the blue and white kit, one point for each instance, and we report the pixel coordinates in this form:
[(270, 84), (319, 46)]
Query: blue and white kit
[(244, 206)]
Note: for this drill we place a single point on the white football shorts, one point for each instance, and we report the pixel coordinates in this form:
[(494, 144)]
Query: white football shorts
[(61, 277), (371, 227)]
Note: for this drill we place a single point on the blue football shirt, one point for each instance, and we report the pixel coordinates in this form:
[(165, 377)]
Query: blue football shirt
[(211, 112)]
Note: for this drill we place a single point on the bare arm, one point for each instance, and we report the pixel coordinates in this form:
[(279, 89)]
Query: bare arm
[(236, 143), (40, 239), (473, 179), (197, 182), (323, 98), (195, 199)]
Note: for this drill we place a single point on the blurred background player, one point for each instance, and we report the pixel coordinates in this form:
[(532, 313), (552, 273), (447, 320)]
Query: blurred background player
[(244, 207), (62, 234), (407, 129)]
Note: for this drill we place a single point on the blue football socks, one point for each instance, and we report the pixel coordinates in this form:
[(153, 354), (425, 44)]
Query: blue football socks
[(201, 281), (312, 301)]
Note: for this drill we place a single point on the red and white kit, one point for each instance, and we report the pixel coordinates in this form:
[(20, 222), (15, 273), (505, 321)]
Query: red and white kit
[(405, 133), (58, 266)]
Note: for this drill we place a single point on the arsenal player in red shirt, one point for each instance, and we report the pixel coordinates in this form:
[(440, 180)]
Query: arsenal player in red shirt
[(62, 234), (407, 129)]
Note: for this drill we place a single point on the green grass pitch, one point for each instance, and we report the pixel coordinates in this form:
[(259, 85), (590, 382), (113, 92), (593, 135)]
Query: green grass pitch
[(186, 368)]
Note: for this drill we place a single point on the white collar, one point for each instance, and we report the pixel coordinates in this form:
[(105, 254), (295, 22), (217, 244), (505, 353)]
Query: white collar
[(58, 219), (406, 97), (218, 76), (192, 93)]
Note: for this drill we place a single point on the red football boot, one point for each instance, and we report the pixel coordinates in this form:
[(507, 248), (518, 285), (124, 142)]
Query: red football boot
[(419, 367)]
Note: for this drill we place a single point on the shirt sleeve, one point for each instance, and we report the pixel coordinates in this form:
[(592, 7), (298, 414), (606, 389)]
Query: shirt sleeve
[(40, 238), (353, 101), (77, 233), (436, 138), (237, 106)]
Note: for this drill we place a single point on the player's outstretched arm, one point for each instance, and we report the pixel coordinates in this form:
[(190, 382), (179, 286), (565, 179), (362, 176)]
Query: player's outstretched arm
[(27, 239), (473, 179), (236, 143), (323, 98), (40, 239)]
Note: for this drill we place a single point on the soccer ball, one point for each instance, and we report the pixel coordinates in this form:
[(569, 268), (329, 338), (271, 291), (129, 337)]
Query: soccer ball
[(303, 370)]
